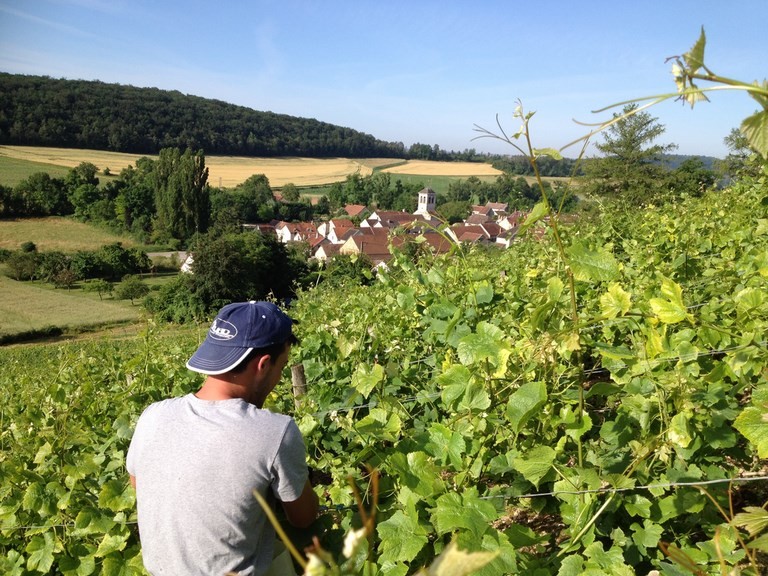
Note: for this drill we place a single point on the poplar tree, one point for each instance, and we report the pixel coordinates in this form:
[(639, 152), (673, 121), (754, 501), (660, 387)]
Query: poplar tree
[(182, 196)]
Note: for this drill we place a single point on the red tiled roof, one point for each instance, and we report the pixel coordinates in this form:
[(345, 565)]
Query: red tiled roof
[(355, 209)]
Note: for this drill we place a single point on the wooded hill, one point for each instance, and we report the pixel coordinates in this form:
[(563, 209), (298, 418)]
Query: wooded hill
[(43, 111)]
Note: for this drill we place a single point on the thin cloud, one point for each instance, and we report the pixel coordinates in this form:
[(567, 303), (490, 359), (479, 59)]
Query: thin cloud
[(45, 22)]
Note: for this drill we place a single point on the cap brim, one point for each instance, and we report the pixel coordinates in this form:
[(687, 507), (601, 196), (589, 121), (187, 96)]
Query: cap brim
[(212, 359)]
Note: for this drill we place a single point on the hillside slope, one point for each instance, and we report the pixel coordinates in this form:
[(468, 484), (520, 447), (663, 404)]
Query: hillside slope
[(42, 111)]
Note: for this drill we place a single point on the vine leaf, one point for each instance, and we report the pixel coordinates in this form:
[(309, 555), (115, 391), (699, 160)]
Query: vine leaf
[(536, 464), (592, 265), (755, 128), (754, 520), (694, 58), (753, 421), (670, 310), (615, 302), (365, 378), (524, 403), (540, 210), (456, 511), (455, 562), (402, 537)]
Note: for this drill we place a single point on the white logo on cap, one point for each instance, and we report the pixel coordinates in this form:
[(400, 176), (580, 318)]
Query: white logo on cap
[(222, 330)]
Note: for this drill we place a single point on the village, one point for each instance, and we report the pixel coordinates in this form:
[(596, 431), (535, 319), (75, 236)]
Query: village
[(490, 224)]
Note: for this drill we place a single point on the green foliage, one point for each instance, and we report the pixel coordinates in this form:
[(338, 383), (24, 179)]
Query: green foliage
[(630, 169), (150, 119), (354, 269), (231, 267), (290, 193), (68, 413), (100, 286), (182, 197), (37, 195), (21, 265), (464, 386), (131, 288)]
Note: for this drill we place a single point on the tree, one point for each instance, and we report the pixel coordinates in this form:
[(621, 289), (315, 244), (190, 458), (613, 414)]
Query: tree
[(182, 197), (692, 178), (131, 288), (240, 266), (64, 278), (100, 286), (41, 195), (630, 169), (741, 158), (135, 196), (290, 193), (454, 211), (50, 264), (22, 265), (83, 173)]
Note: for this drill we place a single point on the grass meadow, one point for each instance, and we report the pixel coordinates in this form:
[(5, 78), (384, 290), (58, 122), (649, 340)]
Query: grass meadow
[(56, 233), (29, 308)]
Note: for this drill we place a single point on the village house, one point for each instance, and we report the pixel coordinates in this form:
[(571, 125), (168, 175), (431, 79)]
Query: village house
[(490, 224), (356, 210), (336, 230), (296, 231)]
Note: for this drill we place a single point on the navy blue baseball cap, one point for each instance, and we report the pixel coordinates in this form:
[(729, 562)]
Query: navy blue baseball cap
[(237, 330)]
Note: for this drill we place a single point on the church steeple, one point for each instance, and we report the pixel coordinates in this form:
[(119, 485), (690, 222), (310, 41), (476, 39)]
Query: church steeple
[(426, 203)]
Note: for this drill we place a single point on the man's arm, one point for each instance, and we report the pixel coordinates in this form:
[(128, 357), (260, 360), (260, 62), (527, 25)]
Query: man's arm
[(133, 480), (302, 511)]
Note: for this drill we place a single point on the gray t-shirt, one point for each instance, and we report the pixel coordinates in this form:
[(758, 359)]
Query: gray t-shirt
[(196, 464)]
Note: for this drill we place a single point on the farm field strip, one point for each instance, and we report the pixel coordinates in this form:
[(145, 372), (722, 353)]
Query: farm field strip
[(229, 171), (432, 168), (56, 233)]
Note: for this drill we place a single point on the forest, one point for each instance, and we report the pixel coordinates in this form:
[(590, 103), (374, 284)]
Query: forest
[(43, 111)]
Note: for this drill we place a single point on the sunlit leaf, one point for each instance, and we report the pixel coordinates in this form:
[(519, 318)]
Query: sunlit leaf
[(551, 152), (540, 210), (366, 377), (755, 128), (615, 302), (592, 265), (753, 421), (694, 58), (455, 562), (402, 537), (536, 464), (679, 432), (670, 310), (41, 549), (753, 519)]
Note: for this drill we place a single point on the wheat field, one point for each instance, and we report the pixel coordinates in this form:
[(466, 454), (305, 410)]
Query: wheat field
[(432, 168), (229, 171)]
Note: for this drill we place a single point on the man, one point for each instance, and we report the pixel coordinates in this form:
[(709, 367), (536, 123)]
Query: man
[(196, 460)]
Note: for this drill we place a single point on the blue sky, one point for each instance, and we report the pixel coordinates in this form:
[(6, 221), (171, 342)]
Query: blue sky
[(409, 71)]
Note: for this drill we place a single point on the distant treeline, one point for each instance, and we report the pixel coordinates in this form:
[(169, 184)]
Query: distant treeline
[(42, 111)]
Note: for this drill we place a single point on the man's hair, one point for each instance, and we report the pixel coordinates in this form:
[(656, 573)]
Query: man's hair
[(272, 351)]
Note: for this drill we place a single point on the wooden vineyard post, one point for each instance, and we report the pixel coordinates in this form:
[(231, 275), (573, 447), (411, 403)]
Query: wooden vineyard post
[(299, 383)]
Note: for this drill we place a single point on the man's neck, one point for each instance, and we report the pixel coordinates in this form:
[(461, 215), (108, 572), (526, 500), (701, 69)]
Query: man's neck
[(217, 388)]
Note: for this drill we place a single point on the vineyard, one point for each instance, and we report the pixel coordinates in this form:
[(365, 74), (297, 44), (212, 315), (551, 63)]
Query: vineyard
[(591, 401)]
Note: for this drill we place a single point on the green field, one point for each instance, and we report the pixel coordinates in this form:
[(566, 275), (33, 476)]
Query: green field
[(28, 308), (56, 233), (13, 170)]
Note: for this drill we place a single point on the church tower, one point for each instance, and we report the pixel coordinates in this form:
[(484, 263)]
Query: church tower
[(426, 203)]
